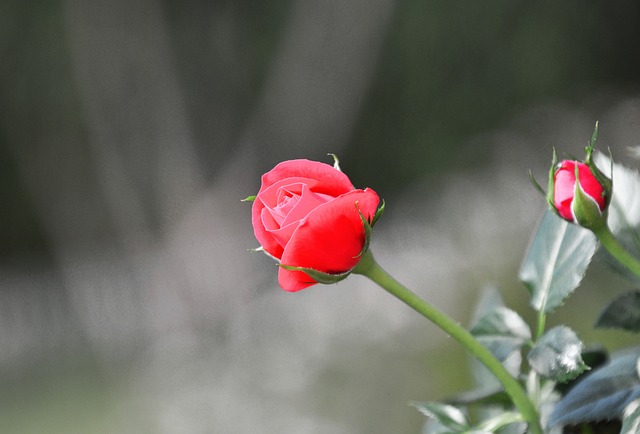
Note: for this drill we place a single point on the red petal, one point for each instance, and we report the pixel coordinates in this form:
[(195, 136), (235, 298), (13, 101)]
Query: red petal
[(590, 185), (565, 182), (266, 240), (330, 239), (328, 180), (319, 177), (308, 201)]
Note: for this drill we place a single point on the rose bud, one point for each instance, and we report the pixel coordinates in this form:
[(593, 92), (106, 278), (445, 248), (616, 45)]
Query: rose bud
[(575, 183), (309, 217), (578, 191)]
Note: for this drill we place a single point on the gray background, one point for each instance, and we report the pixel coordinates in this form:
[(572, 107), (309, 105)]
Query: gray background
[(130, 130)]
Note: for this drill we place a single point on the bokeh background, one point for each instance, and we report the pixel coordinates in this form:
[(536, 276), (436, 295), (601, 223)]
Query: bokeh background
[(130, 130)]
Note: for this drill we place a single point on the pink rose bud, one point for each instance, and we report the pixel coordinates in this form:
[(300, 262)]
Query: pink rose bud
[(566, 185), (578, 191), (308, 215)]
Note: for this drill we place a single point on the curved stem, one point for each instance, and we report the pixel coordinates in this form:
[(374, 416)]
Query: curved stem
[(609, 242), (370, 268)]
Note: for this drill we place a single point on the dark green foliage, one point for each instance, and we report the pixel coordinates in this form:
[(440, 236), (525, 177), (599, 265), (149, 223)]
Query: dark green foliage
[(622, 313)]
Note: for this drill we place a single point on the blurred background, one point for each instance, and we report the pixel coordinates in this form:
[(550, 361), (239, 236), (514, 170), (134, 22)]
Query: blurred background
[(129, 132)]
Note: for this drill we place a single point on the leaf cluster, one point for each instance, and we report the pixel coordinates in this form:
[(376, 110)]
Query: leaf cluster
[(575, 388)]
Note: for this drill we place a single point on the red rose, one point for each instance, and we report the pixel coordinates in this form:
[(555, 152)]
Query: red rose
[(565, 189), (307, 214)]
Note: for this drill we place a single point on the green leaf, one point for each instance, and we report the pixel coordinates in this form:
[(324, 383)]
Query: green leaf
[(631, 418), (624, 210), (500, 421), (248, 199), (603, 394), (502, 331), (484, 396), (433, 427), (556, 261), (557, 355), (502, 322), (594, 357), (488, 301), (622, 313), (448, 416)]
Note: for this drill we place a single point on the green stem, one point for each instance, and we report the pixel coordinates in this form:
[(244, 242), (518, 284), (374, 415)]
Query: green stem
[(370, 268), (542, 319), (609, 242)]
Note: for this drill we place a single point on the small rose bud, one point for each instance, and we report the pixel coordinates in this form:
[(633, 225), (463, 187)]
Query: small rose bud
[(578, 191), (578, 197)]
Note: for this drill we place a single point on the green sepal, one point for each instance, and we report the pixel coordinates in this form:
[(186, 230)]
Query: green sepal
[(368, 227), (537, 186), (329, 278), (552, 182), (367, 232), (261, 249), (336, 161), (378, 214), (319, 276), (248, 199), (594, 135), (585, 209), (603, 180)]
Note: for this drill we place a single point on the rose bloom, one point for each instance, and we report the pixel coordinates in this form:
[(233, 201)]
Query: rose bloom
[(307, 214), (565, 184)]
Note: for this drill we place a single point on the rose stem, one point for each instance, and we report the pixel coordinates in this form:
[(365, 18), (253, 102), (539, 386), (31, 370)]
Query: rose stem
[(612, 245), (370, 268)]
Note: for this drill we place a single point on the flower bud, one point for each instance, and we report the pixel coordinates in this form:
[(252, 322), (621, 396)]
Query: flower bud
[(313, 221), (578, 191)]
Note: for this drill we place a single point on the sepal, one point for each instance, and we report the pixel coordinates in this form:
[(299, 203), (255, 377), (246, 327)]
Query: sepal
[(378, 214), (329, 278), (585, 209), (368, 226), (603, 180), (319, 276), (552, 182), (336, 162)]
